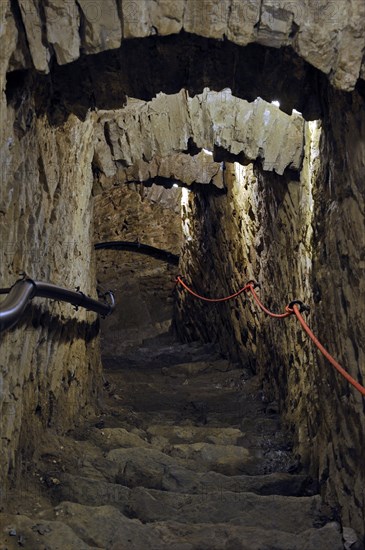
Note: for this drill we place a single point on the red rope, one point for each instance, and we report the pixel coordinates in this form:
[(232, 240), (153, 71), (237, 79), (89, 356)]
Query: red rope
[(261, 306), (225, 299), (288, 311), (329, 357)]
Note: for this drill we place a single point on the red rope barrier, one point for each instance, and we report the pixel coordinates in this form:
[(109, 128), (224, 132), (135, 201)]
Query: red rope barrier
[(261, 306), (288, 311), (225, 299), (329, 357)]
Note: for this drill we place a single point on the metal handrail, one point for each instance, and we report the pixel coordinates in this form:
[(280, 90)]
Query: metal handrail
[(140, 248), (23, 291)]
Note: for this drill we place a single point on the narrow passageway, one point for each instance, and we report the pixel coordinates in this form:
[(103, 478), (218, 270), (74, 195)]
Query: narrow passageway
[(185, 454), (226, 141)]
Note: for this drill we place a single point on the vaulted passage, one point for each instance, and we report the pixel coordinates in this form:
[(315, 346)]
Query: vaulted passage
[(222, 144)]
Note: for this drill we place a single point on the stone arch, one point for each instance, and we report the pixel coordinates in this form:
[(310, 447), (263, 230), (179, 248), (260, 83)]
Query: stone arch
[(212, 121), (328, 43)]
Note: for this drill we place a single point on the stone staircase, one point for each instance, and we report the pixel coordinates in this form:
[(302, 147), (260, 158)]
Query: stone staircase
[(185, 455)]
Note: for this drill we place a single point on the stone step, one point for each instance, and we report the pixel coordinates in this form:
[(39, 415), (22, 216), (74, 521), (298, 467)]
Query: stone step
[(86, 490), (186, 456), (85, 528), (145, 357), (115, 438), (162, 434), (225, 459), (198, 368), (224, 536), (91, 492), (215, 399), (105, 527), (285, 513), (157, 470), (150, 463), (183, 480), (21, 531)]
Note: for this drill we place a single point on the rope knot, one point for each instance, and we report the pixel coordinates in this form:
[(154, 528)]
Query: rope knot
[(302, 306), (253, 283)]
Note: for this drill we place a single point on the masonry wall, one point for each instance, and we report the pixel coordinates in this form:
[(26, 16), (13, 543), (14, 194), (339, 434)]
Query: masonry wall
[(49, 363), (300, 239), (337, 431)]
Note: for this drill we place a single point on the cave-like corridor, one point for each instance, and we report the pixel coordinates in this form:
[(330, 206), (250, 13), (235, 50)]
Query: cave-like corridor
[(182, 205)]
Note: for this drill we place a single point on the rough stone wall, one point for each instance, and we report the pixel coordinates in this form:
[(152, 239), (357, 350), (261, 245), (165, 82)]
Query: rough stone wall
[(338, 431), (329, 35), (256, 230), (144, 286), (49, 364), (300, 239)]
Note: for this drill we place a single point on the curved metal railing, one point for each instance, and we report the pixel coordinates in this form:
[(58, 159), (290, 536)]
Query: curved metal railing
[(23, 291), (147, 249)]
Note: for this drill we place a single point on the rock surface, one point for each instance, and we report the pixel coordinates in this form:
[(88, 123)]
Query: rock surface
[(250, 131), (329, 35), (267, 230), (139, 496), (49, 364)]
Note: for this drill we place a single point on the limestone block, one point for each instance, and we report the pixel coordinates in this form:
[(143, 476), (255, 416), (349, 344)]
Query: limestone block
[(169, 122), (331, 38), (102, 27), (147, 17), (207, 17), (167, 16), (275, 24), (349, 55), (242, 19), (200, 168), (135, 18), (63, 23), (33, 24)]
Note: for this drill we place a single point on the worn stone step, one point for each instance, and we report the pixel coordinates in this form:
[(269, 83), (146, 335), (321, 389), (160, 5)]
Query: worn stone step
[(285, 513), (162, 434), (223, 536), (144, 466), (21, 531), (91, 492), (225, 459), (185, 455), (95, 492), (214, 400), (150, 463), (105, 527), (182, 480), (115, 438), (151, 358), (196, 368)]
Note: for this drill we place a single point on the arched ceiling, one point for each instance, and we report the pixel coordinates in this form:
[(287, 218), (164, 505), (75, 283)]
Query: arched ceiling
[(179, 168), (143, 133), (82, 54), (325, 33)]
